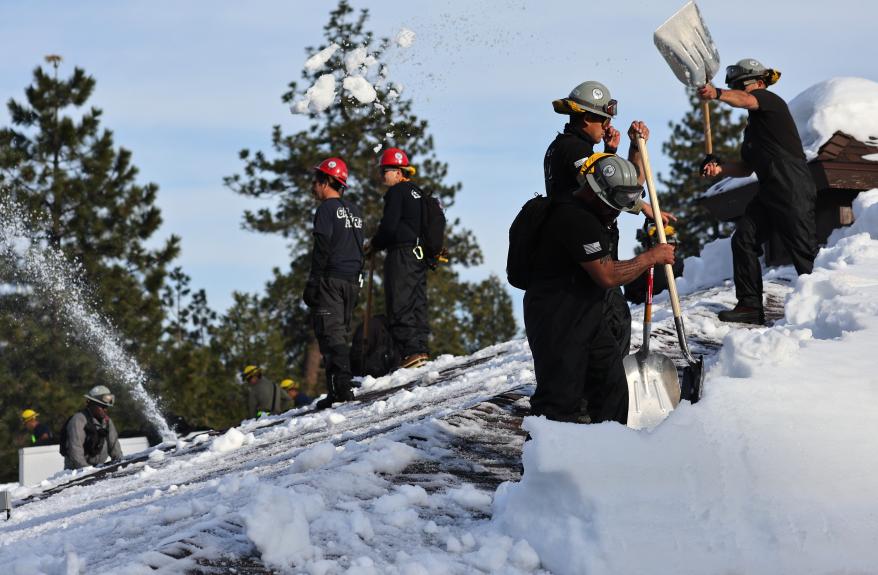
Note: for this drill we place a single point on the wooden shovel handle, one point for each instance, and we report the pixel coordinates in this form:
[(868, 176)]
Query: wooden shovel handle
[(708, 136), (659, 224)]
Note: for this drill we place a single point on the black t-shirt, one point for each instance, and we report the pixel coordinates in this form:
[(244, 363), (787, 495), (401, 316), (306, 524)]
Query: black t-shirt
[(401, 220), (562, 162), (771, 132), (338, 239), (571, 234)]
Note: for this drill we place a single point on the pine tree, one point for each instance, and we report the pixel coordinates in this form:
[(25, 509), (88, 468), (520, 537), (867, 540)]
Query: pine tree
[(684, 184), (65, 170), (356, 131)]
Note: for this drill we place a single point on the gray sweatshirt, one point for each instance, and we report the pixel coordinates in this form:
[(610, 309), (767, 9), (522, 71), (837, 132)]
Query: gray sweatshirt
[(76, 457)]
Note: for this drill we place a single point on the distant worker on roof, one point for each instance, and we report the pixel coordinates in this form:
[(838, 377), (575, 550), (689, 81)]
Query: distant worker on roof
[(89, 436), (787, 195), (294, 394), (37, 433), (263, 397)]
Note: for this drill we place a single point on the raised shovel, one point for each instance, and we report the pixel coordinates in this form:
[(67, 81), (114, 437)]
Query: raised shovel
[(687, 47), (693, 373), (653, 387)]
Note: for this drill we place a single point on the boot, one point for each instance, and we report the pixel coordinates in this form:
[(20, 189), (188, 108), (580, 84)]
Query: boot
[(414, 360), (330, 392), (743, 314)]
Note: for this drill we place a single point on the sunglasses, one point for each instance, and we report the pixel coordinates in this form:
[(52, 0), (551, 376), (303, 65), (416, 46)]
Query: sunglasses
[(604, 121)]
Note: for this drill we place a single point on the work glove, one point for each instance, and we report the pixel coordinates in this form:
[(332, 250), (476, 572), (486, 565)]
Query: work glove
[(710, 159), (310, 295)]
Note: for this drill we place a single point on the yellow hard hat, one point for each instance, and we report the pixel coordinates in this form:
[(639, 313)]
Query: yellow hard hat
[(289, 383), (28, 414), (250, 371)]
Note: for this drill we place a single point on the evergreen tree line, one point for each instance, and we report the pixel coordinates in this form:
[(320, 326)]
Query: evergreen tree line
[(84, 198)]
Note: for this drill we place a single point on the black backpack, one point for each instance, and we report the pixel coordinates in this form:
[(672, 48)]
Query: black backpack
[(523, 235), (432, 235), (94, 436), (380, 357)]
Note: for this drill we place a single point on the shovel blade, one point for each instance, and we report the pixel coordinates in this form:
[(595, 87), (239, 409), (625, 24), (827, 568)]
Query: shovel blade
[(687, 47), (693, 380), (653, 389)]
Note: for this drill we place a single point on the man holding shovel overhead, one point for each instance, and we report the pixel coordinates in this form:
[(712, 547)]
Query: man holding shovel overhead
[(590, 110), (785, 203), (578, 367)]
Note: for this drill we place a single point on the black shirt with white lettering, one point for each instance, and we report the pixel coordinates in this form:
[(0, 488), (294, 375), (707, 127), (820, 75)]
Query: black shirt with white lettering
[(771, 132), (570, 235), (338, 240), (562, 162), (401, 220)]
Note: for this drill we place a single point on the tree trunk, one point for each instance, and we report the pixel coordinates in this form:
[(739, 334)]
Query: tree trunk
[(312, 365)]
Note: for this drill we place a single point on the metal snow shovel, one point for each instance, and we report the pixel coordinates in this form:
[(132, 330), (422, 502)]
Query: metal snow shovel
[(693, 374), (687, 47), (653, 387)]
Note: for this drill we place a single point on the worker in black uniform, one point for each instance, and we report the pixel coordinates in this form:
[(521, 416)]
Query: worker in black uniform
[(786, 200), (590, 109), (334, 282), (577, 363), (405, 267)]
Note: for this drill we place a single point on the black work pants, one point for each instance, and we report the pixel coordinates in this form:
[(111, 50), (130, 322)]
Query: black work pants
[(617, 316), (577, 361), (405, 292), (336, 299), (785, 204)]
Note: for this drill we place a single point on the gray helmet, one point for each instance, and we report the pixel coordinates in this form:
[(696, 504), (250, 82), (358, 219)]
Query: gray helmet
[(589, 96), (750, 69), (101, 395), (614, 180)]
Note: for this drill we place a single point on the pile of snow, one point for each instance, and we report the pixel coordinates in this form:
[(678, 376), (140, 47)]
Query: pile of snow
[(848, 105), (772, 472), (711, 267)]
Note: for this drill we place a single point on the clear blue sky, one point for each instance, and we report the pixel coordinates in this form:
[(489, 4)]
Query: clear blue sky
[(186, 85)]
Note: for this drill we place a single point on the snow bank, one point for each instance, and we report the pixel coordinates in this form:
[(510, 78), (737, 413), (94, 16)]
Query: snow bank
[(848, 105), (709, 268), (772, 472)]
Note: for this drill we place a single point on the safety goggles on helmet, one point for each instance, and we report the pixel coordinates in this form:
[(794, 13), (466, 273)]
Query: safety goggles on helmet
[(624, 197), (610, 108), (106, 400)]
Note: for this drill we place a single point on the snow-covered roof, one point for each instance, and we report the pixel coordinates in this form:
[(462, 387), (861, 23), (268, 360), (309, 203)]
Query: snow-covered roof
[(848, 105)]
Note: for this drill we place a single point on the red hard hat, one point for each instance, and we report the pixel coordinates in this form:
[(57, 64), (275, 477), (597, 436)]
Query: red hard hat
[(335, 168), (394, 157)]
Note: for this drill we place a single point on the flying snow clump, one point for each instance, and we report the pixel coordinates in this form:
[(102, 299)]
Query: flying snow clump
[(318, 60), (405, 38)]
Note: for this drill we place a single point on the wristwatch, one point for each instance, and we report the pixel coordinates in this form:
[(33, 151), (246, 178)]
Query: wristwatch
[(719, 92)]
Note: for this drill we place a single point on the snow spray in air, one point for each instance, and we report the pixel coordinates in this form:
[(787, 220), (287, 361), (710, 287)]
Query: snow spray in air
[(56, 279)]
